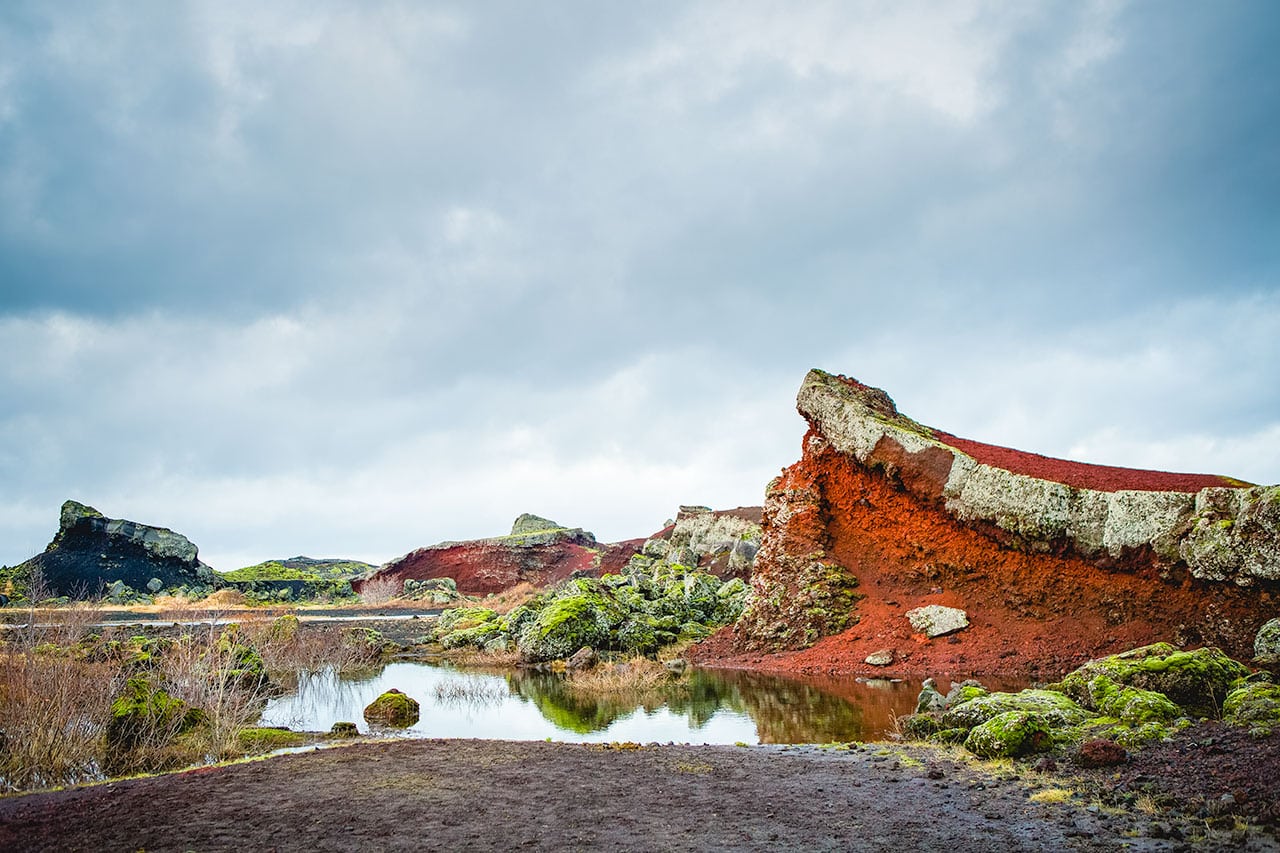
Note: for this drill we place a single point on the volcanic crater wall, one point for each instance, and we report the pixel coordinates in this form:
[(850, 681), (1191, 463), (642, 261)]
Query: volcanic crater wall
[(1054, 561)]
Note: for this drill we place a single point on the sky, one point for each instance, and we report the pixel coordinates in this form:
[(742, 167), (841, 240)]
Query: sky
[(347, 279)]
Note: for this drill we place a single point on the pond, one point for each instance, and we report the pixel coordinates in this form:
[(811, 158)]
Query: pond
[(710, 706)]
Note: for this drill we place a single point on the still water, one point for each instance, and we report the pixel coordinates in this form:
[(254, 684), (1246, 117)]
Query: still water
[(711, 706)]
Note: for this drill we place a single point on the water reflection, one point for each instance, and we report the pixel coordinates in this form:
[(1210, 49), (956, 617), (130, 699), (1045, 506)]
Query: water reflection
[(710, 706)]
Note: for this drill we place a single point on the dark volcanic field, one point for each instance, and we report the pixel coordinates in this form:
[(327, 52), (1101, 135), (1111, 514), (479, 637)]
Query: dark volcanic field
[(496, 795)]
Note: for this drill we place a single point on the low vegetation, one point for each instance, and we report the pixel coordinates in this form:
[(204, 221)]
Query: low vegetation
[(77, 704)]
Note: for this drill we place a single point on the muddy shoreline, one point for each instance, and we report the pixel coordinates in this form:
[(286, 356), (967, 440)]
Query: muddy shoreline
[(491, 795)]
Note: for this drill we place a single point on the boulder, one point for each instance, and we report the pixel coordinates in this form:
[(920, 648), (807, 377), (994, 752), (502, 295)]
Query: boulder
[(1266, 644), (1255, 706), (934, 620), (344, 728), (1048, 705), (1197, 680), (884, 657), (930, 699), (583, 658), (1009, 735), (393, 709), (145, 714)]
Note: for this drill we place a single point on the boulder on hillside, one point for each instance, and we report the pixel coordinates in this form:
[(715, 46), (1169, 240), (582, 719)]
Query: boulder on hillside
[(92, 555)]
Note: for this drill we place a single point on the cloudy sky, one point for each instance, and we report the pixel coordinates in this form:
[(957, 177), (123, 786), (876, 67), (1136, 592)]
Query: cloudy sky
[(345, 279)]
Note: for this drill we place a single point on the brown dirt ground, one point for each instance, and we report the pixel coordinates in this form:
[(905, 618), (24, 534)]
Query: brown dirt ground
[(491, 795)]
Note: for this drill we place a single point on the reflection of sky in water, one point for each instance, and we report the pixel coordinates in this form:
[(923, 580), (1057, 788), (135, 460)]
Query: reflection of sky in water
[(323, 699)]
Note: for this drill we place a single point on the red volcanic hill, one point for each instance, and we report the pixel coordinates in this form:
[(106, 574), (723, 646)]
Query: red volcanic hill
[(537, 551), (1052, 561), (541, 552)]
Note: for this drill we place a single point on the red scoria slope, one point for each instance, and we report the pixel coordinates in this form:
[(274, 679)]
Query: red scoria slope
[(1034, 610)]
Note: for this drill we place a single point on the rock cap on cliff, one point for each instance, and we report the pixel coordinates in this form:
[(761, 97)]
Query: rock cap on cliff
[(1220, 527)]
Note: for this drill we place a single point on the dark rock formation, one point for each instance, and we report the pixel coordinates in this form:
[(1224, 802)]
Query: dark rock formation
[(1054, 561), (92, 555)]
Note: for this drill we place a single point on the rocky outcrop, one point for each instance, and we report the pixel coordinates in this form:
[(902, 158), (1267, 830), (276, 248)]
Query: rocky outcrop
[(723, 542), (537, 551), (1054, 561), (92, 555)]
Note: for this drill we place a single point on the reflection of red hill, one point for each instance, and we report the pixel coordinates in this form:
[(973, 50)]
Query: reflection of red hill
[(1082, 475)]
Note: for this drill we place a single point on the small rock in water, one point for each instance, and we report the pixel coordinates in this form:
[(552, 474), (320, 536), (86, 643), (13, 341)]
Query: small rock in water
[(884, 657)]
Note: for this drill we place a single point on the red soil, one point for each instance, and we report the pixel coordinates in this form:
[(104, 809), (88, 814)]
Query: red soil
[(1082, 475), (1037, 613), (481, 568)]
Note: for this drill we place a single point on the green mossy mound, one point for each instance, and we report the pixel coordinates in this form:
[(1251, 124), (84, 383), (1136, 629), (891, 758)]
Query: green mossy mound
[(652, 605), (393, 709), (1197, 679), (1053, 707), (1266, 645), (147, 715), (1010, 734), (1254, 706), (1132, 699)]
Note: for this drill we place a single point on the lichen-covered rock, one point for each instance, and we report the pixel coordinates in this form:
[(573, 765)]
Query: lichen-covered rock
[(394, 709), (1009, 735), (1254, 706), (1266, 644), (929, 699), (1197, 680), (883, 657), (935, 620), (964, 691), (145, 714), (1235, 535), (1048, 705)]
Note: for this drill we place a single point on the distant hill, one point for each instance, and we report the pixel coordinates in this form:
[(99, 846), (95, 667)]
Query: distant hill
[(300, 569)]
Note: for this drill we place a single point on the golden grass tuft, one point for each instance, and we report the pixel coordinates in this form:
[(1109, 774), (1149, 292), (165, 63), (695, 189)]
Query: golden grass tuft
[(509, 599), (636, 675), (1052, 795)]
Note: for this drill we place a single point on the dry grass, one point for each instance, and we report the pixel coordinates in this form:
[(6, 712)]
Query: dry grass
[(509, 599), (380, 590), (637, 675), (470, 690), (53, 710), (481, 659), (1052, 795)]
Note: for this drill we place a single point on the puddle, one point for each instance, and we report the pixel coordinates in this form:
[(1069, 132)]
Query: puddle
[(716, 706)]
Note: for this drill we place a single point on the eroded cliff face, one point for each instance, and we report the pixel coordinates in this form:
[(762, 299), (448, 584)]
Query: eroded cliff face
[(1053, 561)]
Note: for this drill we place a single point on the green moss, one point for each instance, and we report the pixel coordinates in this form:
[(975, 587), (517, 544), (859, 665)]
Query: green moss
[(1049, 705), (394, 709), (257, 740), (1131, 705), (1254, 706), (1009, 735), (145, 714), (1197, 680)]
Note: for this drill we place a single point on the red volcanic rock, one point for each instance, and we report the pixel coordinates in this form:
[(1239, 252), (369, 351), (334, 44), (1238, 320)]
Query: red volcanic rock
[(1054, 562), (538, 551)]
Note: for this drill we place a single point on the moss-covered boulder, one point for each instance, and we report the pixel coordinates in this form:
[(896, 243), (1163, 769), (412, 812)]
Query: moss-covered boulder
[(1197, 680), (582, 615), (1009, 735), (238, 661), (394, 709), (1255, 706), (1131, 705), (145, 714), (1266, 645), (1050, 706)]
